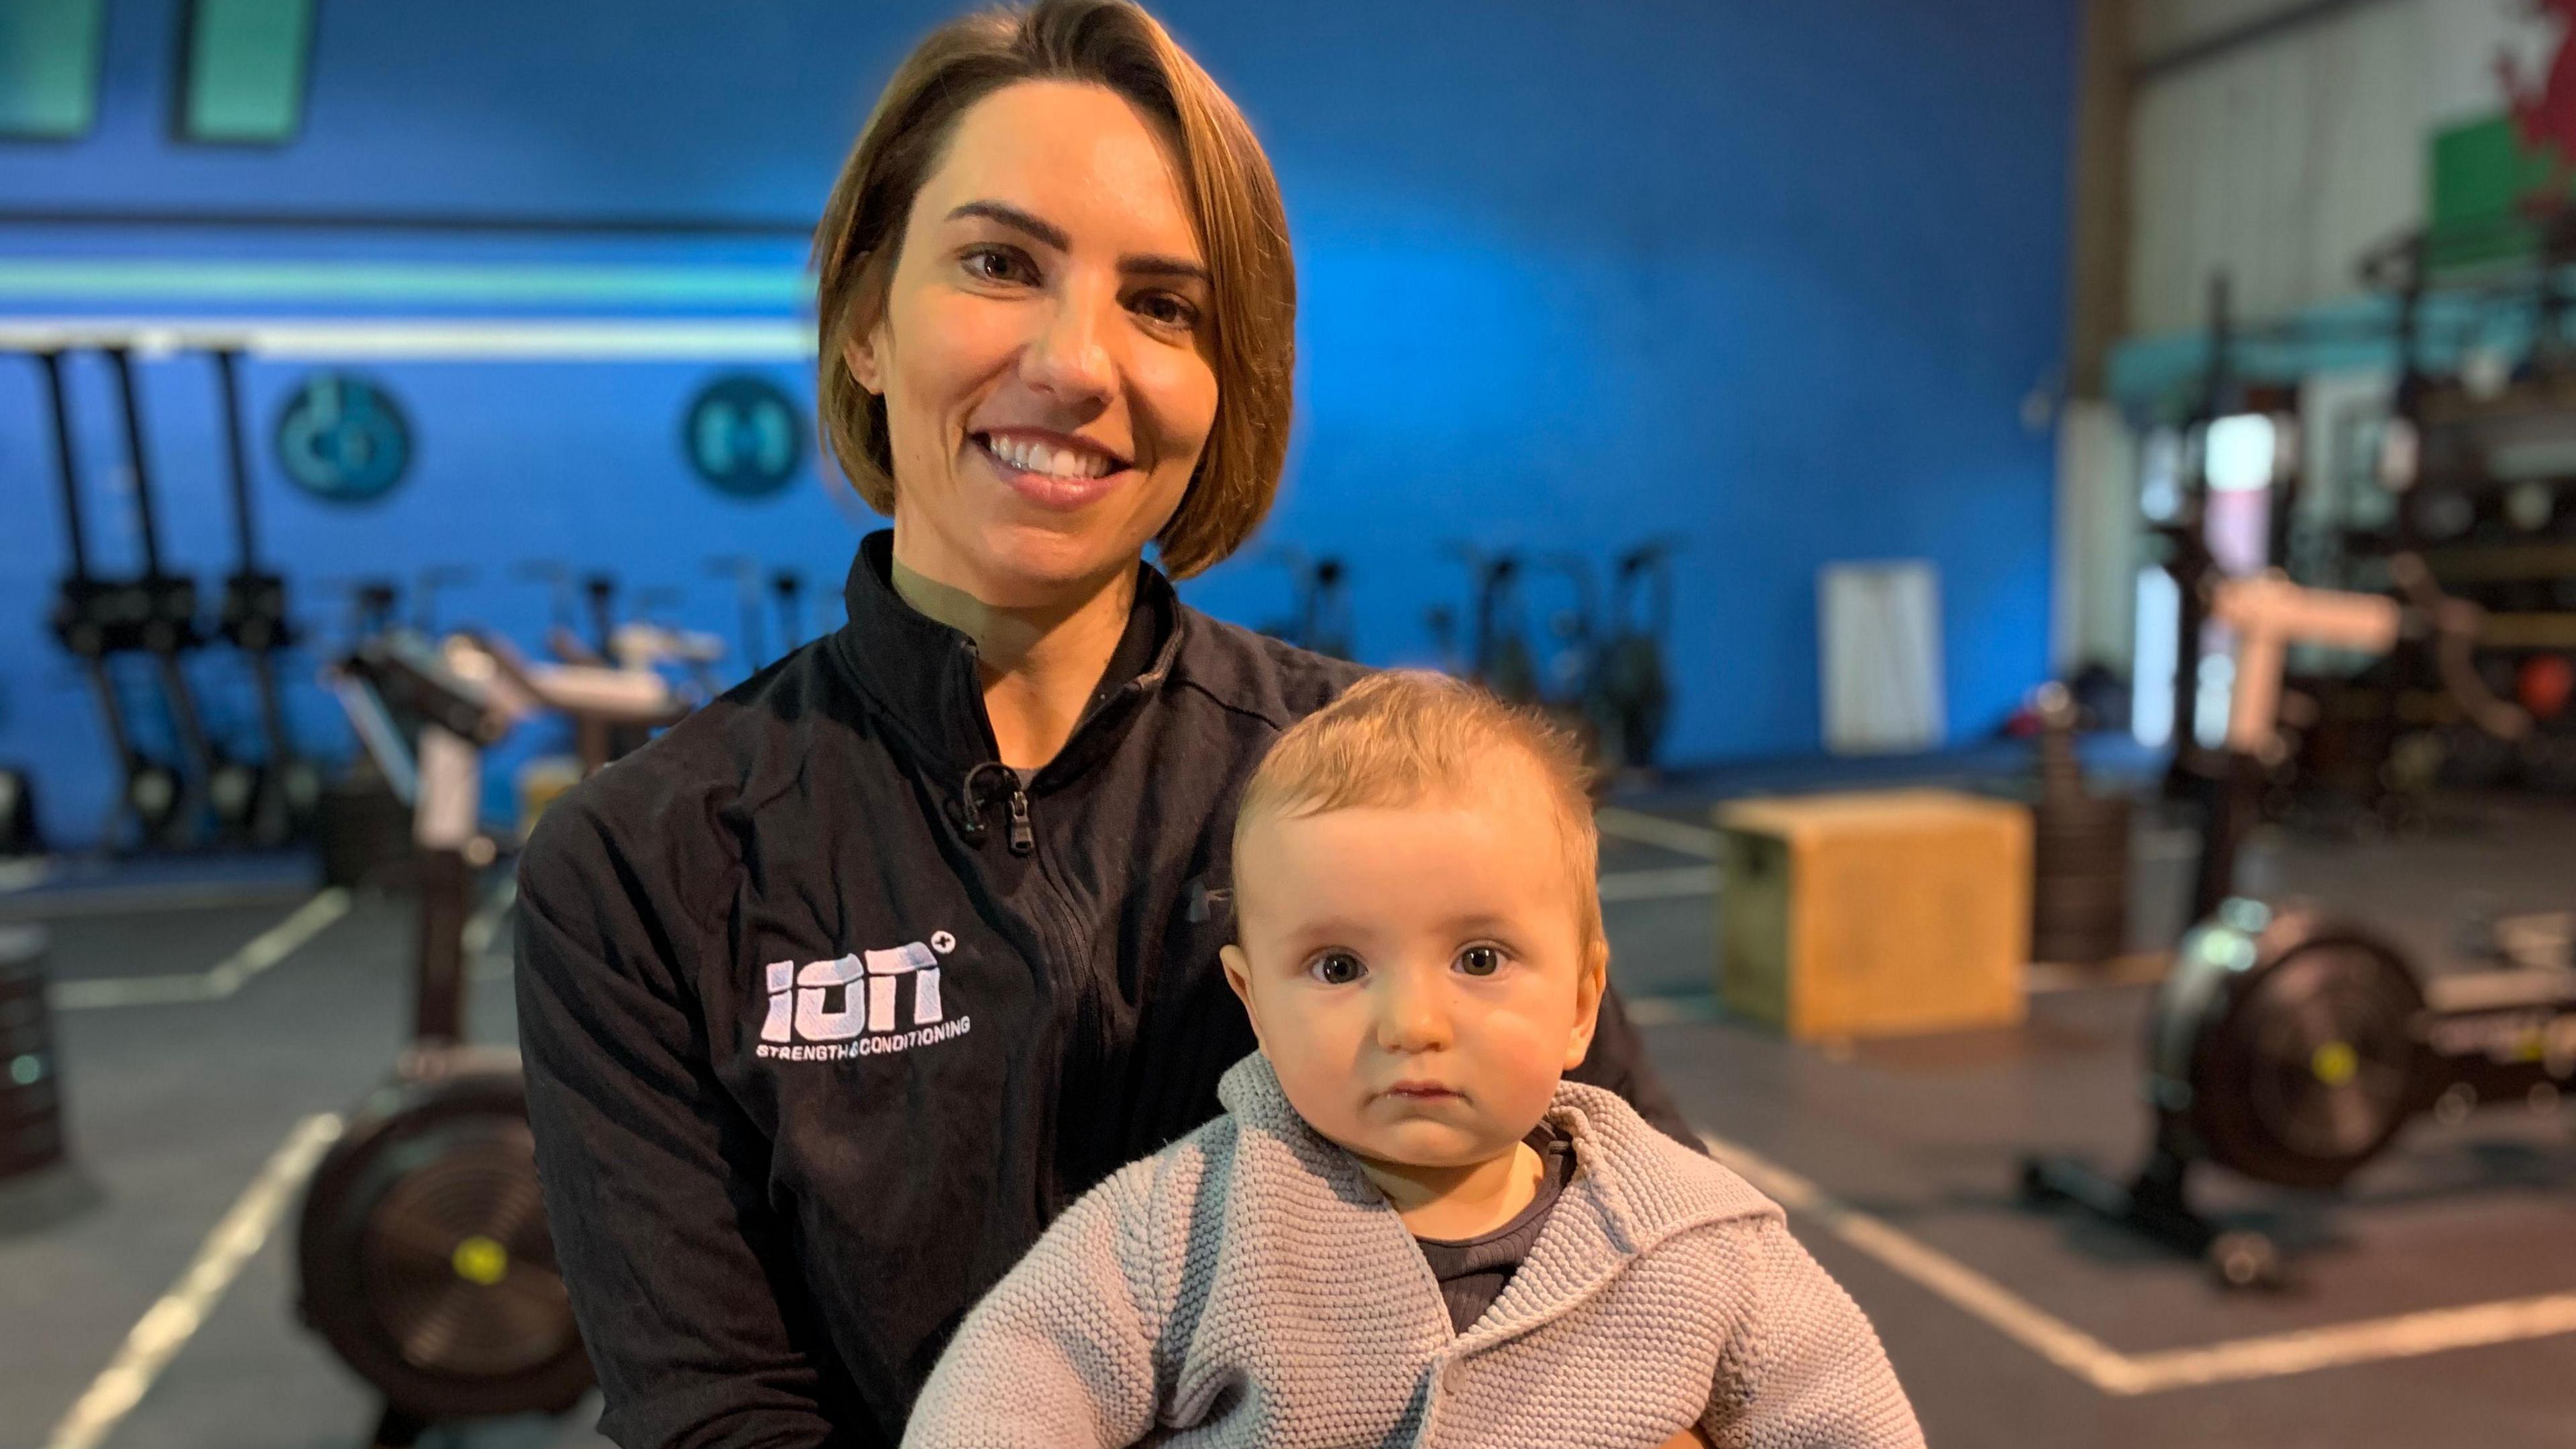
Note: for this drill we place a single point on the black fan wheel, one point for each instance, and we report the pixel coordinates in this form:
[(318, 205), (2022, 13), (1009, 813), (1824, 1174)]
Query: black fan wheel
[(2310, 1068), (425, 1257)]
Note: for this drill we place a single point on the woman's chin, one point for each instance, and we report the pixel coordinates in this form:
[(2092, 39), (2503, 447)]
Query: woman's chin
[(1036, 563)]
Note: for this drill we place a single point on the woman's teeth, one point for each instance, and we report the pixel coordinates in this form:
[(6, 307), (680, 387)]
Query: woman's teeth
[(1039, 458)]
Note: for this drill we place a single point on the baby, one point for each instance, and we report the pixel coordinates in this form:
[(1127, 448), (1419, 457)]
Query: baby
[(1406, 1228)]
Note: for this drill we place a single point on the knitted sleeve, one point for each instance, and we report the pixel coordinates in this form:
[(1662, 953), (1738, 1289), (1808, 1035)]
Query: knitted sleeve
[(1802, 1367), (1060, 1353)]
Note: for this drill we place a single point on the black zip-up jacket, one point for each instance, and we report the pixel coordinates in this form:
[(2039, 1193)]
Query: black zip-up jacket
[(826, 1013)]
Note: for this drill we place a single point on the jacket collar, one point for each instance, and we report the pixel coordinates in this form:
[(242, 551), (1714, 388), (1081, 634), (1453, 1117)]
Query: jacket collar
[(924, 676), (1633, 1188)]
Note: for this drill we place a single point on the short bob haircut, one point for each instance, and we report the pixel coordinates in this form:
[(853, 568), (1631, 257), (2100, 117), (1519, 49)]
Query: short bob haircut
[(1232, 197)]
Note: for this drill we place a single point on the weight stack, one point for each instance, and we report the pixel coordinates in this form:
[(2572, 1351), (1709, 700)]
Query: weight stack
[(31, 1102), (2079, 897)]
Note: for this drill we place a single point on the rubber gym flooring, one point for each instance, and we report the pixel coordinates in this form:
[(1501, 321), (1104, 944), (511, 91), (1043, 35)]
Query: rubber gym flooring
[(207, 1022)]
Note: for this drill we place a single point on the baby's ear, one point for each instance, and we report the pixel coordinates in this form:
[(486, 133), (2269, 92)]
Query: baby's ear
[(1238, 974), (1592, 979)]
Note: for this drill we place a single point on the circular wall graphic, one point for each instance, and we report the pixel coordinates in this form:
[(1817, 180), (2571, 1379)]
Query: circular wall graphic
[(342, 439), (744, 435)]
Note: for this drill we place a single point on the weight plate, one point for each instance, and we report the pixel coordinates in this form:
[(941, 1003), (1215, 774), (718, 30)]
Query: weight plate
[(2078, 940), (2055, 901), (2080, 813), (2089, 885), (2093, 832), (2079, 915), (2087, 949)]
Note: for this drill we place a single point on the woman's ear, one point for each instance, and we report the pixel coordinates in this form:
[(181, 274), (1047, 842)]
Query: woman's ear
[(1238, 974), (859, 354), (1592, 980)]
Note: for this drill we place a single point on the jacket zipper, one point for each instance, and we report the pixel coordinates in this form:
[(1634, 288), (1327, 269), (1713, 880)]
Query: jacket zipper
[(1023, 839), (971, 800)]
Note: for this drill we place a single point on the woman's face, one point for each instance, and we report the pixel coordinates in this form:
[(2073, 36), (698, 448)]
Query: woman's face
[(1044, 350)]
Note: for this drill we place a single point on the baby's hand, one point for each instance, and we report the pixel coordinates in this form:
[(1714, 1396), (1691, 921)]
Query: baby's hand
[(1690, 1438)]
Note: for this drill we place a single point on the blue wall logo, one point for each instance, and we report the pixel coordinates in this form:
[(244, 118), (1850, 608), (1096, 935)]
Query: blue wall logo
[(744, 436), (342, 439)]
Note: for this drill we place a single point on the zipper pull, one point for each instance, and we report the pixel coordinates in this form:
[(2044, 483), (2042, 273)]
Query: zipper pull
[(1023, 839)]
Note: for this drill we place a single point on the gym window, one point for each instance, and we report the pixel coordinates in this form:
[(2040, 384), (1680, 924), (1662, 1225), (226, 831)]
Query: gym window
[(242, 70), (49, 52)]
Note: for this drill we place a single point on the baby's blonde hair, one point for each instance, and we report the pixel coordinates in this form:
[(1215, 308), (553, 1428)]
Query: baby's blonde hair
[(1407, 735)]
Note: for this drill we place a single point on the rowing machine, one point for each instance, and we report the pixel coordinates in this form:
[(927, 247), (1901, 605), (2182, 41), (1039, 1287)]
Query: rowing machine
[(2285, 1044)]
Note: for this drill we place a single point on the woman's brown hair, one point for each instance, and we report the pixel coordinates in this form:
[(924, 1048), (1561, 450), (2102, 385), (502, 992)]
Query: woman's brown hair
[(1232, 196)]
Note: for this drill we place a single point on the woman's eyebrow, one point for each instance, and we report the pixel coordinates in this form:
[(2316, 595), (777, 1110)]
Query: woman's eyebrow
[(1051, 235), (1165, 267), (1016, 219)]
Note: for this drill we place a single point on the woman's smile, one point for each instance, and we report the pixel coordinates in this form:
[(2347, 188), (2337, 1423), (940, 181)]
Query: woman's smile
[(1050, 469)]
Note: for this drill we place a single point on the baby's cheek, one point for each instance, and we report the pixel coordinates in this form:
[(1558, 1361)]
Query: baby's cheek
[(1523, 1058), (1317, 1074)]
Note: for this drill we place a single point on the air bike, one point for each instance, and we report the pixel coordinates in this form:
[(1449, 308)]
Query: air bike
[(423, 1253)]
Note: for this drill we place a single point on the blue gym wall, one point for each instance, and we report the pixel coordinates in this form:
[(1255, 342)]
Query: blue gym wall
[(1774, 278)]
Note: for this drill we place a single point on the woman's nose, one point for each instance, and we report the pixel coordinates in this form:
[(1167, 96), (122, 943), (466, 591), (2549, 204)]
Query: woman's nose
[(1069, 357)]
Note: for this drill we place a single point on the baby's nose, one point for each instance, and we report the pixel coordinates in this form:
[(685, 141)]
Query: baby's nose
[(1411, 1019)]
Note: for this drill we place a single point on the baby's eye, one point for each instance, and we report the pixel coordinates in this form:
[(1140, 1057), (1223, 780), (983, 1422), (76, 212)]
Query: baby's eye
[(1337, 968), (1481, 960)]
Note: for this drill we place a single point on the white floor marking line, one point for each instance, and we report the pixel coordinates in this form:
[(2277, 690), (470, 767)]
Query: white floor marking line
[(2405, 1336), (486, 920), (1644, 829), (482, 926), (19, 875), (2376, 1340), (163, 1330), (216, 982), (1972, 1292), (1656, 885)]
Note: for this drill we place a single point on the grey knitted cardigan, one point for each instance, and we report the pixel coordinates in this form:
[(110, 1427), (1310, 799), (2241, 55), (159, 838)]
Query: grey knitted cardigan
[(1249, 1286)]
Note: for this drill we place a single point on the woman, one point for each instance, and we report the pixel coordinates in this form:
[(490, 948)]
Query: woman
[(832, 997)]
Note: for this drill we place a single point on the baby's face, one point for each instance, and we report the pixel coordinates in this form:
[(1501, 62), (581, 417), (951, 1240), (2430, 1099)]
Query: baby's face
[(1417, 974)]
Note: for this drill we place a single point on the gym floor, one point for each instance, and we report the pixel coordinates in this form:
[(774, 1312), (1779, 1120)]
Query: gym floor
[(209, 1027)]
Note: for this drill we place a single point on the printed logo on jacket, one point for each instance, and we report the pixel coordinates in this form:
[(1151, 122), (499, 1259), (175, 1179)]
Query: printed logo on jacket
[(862, 1005)]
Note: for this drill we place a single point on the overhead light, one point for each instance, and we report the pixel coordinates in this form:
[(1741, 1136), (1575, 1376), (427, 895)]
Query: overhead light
[(2243, 453)]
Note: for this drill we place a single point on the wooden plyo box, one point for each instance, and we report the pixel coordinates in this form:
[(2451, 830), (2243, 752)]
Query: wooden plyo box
[(1874, 914)]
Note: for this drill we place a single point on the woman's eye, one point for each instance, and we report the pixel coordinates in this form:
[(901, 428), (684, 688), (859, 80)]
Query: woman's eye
[(1480, 960), (993, 264), (1165, 310), (1337, 968)]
